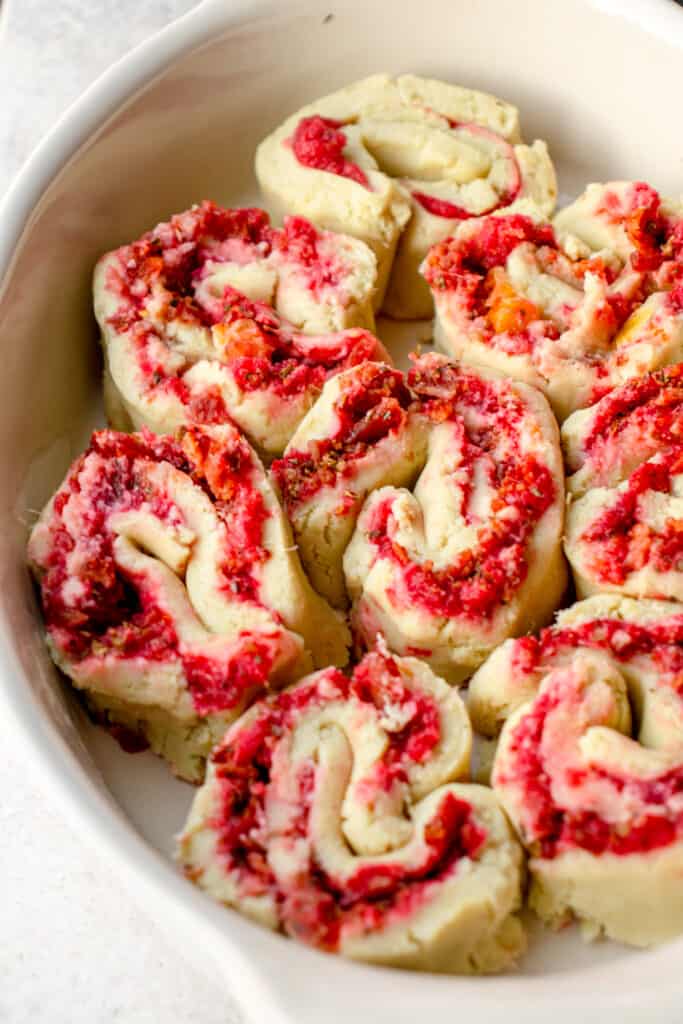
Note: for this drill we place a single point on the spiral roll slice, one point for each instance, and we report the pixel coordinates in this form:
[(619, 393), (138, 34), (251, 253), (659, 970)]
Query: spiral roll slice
[(170, 587), (589, 765), (398, 163), (331, 811), (507, 296), (216, 316), (625, 523), (471, 554)]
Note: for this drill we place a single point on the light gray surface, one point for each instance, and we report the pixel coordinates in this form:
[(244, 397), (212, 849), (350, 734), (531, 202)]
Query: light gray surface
[(76, 949)]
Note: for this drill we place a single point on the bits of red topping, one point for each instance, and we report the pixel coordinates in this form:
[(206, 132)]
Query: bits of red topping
[(454, 261), (373, 408), (621, 542), (319, 142)]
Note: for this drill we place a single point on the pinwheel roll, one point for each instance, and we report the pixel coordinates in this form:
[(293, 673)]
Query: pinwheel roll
[(217, 316), (472, 555), (625, 524), (589, 766), (398, 163), (508, 297), (330, 811), (171, 590), (362, 433)]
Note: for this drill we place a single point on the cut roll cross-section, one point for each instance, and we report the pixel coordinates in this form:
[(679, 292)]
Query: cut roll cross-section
[(217, 316), (508, 296), (331, 811), (589, 765), (398, 163), (625, 523), (468, 557), (171, 590)]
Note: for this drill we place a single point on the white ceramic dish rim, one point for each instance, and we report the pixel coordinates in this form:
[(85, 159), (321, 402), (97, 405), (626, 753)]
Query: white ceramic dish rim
[(86, 803)]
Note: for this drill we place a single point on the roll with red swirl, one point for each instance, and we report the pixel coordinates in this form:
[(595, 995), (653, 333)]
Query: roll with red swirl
[(170, 587), (216, 316), (508, 296), (589, 766), (443, 490), (625, 522), (331, 811), (400, 162)]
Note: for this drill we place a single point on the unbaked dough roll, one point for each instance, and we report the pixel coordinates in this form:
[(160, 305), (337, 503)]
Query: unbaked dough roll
[(170, 587), (470, 556), (217, 316), (330, 811), (589, 765), (399, 162), (625, 524), (508, 297)]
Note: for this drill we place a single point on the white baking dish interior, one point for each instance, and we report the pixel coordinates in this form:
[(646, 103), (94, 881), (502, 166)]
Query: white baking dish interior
[(599, 87)]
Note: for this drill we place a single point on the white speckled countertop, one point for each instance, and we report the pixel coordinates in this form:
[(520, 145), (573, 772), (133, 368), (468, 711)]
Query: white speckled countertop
[(75, 949)]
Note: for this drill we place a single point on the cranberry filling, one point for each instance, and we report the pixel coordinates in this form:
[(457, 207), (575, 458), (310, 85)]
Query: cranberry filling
[(621, 542), (645, 224), (319, 142), (651, 405), (373, 408), (299, 242), (487, 576), (454, 263)]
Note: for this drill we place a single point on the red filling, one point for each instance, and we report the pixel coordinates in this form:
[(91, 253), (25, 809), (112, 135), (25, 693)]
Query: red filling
[(555, 829), (473, 269), (220, 685), (377, 680), (320, 908), (461, 263), (227, 468), (651, 405), (483, 578), (663, 641), (299, 242), (262, 354), (622, 544), (115, 614), (372, 409), (175, 251), (318, 142), (644, 222)]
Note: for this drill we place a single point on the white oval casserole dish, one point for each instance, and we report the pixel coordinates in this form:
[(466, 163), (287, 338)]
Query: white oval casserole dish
[(176, 120)]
